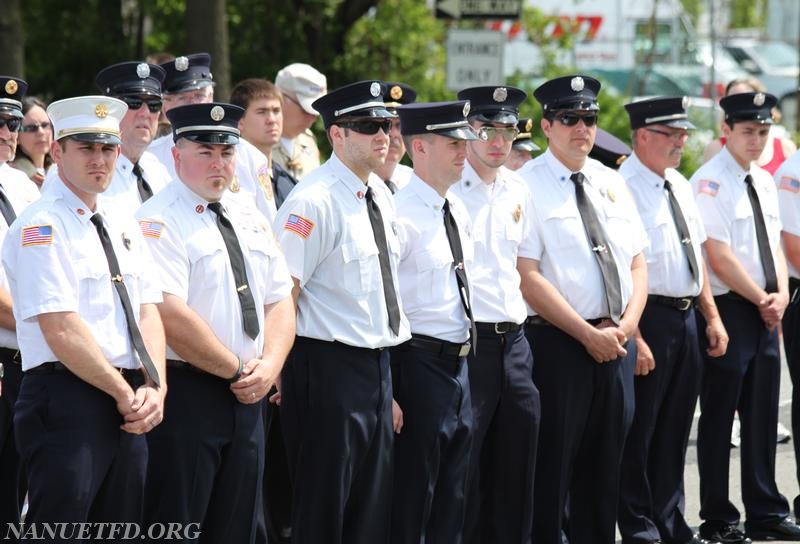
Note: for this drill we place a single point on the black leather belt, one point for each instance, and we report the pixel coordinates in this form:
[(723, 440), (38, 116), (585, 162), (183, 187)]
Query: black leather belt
[(440, 347), (183, 365), (51, 367), (679, 303), (11, 355), (497, 328), (537, 320)]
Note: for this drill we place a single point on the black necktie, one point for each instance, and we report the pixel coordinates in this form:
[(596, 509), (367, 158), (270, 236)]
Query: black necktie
[(451, 228), (761, 237), (597, 241), (145, 191), (5, 207), (117, 281), (683, 231), (246, 300), (391, 185), (379, 233)]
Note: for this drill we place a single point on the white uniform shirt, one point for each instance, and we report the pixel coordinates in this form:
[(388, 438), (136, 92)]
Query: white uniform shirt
[(55, 263), (21, 192), (428, 285), (558, 239), (721, 195), (500, 216), (123, 193), (668, 272), (252, 184), (193, 263), (402, 175), (326, 235), (787, 180)]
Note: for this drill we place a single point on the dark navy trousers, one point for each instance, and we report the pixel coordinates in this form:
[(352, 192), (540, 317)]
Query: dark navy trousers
[(13, 484), (791, 344), (206, 461), (651, 485), (81, 467), (336, 414), (587, 409), (747, 379), (432, 450), (506, 409)]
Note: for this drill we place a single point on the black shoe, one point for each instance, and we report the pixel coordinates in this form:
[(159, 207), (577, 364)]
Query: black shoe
[(725, 534), (785, 529)]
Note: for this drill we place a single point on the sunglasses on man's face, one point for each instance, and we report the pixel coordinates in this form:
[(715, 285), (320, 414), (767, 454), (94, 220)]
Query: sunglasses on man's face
[(134, 103), (13, 123), (489, 133), (368, 126), (571, 119)]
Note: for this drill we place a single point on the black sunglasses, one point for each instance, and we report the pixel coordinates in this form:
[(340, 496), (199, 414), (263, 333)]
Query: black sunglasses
[(571, 119), (134, 103), (368, 126), (13, 124), (35, 126)]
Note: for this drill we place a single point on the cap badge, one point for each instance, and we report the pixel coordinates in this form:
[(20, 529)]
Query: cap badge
[(576, 84), (11, 86), (217, 113), (375, 88), (396, 92), (529, 125), (142, 70), (101, 111), (685, 102), (181, 64), (466, 109), (758, 99), (500, 94)]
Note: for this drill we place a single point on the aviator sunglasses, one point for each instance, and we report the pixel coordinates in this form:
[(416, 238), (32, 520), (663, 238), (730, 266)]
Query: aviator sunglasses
[(487, 133), (571, 119), (367, 126), (134, 103), (13, 124)]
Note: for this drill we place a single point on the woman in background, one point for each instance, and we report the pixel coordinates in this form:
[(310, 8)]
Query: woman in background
[(33, 143)]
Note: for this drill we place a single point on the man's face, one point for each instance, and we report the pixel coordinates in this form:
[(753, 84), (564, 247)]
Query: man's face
[(262, 122), (85, 167), (206, 169), (569, 137), (360, 151), (517, 158), (448, 157), (138, 126), (8, 138), (492, 151), (396, 146), (746, 140), (663, 146), (203, 95), (296, 119)]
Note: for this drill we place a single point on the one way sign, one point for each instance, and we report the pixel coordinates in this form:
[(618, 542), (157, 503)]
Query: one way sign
[(478, 9)]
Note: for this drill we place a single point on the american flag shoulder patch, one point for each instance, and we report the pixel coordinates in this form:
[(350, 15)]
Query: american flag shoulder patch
[(299, 225), (788, 183), (708, 187), (150, 228), (37, 235)]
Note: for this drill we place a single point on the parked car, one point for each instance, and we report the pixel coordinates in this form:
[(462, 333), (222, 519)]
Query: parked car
[(777, 66)]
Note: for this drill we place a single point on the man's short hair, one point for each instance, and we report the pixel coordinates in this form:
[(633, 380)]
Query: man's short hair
[(253, 89)]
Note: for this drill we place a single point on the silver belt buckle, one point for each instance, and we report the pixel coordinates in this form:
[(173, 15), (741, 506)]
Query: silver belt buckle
[(464, 351), (500, 328), (686, 303)]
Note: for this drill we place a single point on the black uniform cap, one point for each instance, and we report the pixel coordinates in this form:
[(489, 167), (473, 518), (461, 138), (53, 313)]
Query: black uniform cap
[(568, 93), (443, 118), (214, 123), (669, 111), (493, 104), (12, 89), (130, 78), (749, 107), (353, 101), (187, 73)]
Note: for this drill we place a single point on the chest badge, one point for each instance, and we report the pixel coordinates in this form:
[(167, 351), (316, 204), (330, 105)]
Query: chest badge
[(235, 185), (518, 213), (611, 196)]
